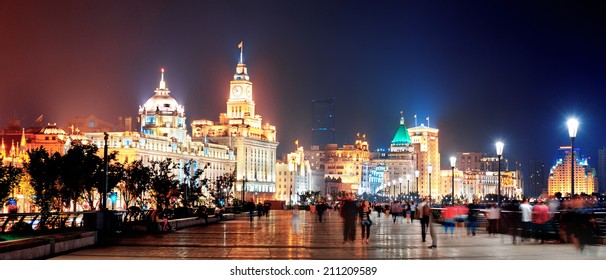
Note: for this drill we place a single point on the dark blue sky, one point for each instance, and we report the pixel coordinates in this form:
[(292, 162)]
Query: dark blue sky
[(481, 70)]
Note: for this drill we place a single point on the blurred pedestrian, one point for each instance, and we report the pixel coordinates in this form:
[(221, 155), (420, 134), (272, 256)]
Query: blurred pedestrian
[(295, 220), (413, 209), (365, 222), (396, 210), (321, 208), (250, 208), (540, 217), (349, 213), (472, 217), (526, 210), (493, 214), (424, 213), (448, 219)]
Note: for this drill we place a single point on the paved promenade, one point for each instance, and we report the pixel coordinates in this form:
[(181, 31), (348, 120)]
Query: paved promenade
[(276, 238)]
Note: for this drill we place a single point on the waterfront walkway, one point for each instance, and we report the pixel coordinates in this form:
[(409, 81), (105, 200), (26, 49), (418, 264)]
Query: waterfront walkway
[(274, 238)]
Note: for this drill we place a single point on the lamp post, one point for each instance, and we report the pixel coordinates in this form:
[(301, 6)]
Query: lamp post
[(499, 146), (573, 125), (400, 179), (429, 169), (417, 179), (408, 187), (104, 200), (453, 161), (393, 184)]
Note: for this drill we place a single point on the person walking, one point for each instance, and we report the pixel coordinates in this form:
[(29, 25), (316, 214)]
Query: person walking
[(250, 208), (349, 213), (493, 214), (266, 208), (540, 217), (365, 222), (396, 210), (413, 209), (472, 217), (295, 220), (432, 231), (424, 213), (526, 210), (321, 208), (448, 216)]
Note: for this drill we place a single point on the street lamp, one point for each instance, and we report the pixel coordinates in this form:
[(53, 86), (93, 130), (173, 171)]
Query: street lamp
[(400, 179), (429, 169), (453, 161), (499, 146), (417, 179), (408, 188), (394, 188), (573, 125)]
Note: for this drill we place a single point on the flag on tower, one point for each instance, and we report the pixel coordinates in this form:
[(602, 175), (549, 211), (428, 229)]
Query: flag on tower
[(297, 143), (240, 45)]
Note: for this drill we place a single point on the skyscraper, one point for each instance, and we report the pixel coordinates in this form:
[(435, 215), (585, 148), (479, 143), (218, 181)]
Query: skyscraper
[(538, 178), (560, 175), (323, 122)]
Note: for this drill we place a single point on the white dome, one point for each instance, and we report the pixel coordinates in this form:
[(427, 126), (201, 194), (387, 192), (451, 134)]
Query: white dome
[(162, 102)]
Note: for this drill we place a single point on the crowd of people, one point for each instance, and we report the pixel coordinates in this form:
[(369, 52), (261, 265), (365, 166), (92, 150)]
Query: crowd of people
[(545, 221)]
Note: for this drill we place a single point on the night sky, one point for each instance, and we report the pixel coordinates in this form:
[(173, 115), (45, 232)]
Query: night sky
[(481, 70)]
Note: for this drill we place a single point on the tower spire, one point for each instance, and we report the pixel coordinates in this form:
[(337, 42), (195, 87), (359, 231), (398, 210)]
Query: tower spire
[(401, 117), (162, 82), (23, 142), (241, 47)]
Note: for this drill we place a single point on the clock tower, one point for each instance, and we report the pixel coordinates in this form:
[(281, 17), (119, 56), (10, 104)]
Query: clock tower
[(240, 101)]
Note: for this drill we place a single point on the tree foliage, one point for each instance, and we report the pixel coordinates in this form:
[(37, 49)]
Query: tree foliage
[(164, 182), (137, 181), (44, 172), (9, 179)]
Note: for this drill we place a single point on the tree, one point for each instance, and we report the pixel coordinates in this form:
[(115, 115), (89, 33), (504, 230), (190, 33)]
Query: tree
[(164, 182), (192, 182), (116, 174), (43, 170), (222, 192), (137, 181), (10, 177), (79, 170)]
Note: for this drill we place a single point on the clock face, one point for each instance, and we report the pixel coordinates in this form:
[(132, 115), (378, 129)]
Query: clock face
[(249, 92), (237, 91)]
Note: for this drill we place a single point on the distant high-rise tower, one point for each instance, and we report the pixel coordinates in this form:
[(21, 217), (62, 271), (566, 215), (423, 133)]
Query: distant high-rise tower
[(560, 175), (427, 152), (323, 122), (538, 178), (602, 170)]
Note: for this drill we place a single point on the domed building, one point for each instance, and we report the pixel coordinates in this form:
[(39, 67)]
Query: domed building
[(162, 115), (163, 135)]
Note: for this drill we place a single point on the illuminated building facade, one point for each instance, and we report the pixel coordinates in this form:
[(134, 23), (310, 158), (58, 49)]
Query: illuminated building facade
[(426, 149), (560, 175), (293, 177), (343, 167), (242, 129), (162, 135), (399, 162)]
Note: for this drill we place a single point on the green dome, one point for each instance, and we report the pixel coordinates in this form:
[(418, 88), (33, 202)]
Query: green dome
[(401, 138)]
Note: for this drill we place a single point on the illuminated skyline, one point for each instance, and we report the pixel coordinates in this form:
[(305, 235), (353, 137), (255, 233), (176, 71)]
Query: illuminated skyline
[(482, 72)]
